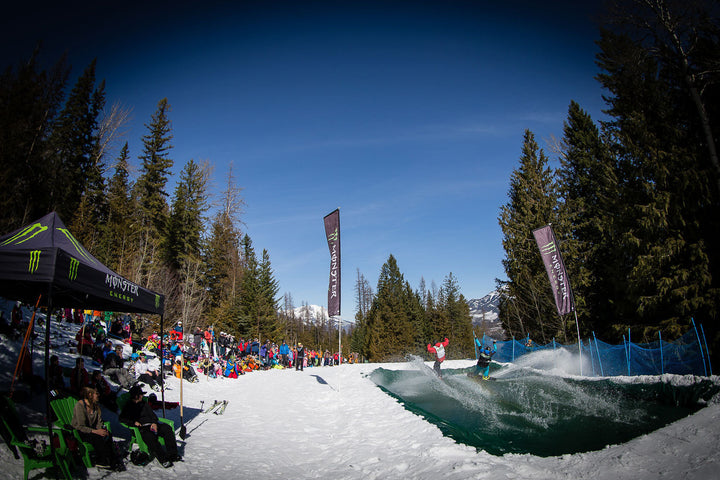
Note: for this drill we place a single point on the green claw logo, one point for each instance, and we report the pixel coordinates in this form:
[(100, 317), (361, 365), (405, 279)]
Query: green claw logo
[(157, 301), (28, 233), (548, 249), (74, 264), (34, 261), (80, 249), (333, 236)]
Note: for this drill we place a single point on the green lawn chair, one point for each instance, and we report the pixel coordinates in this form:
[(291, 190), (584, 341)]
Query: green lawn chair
[(33, 459), (136, 438), (63, 409)]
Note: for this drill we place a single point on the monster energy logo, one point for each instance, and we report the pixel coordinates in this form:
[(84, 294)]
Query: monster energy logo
[(157, 301), (333, 236), (548, 249), (76, 244), (25, 234), (34, 261), (74, 264)]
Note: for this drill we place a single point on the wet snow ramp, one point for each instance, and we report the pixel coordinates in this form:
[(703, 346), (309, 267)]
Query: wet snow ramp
[(527, 411)]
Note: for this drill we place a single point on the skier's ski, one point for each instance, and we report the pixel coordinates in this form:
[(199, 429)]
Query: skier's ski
[(221, 410), (213, 406)]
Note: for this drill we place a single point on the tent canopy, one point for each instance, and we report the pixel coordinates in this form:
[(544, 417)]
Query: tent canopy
[(44, 258)]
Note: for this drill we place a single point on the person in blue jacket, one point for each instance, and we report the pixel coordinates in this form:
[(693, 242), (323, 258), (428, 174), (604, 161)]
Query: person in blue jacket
[(484, 357), (284, 351)]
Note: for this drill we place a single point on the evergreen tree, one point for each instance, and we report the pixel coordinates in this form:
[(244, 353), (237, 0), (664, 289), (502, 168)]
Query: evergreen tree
[(184, 231), (30, 99), (268, 288), (457, 313), (246, 309), (119, 228), (589, 187), (151, 196), (222, 255), (156, 165), (527, 306), (663, 142), (389, 326), (74, 142)]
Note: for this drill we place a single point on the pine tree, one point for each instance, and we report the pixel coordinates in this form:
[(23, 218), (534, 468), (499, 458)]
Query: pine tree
[(527, 306), (268, 288), (222, 255), (156, 165), (457, 312), (246, 303), (30, 99), (185, 227), (150, 193), (660, 126), (119, 228), (589, 187), (389, 326), (74, 144)]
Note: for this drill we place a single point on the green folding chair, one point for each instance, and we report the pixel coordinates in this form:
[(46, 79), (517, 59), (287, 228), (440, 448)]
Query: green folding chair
[(63, 409)]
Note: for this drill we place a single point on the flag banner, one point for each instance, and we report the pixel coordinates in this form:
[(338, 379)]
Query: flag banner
[(555, 268), (332, 232)]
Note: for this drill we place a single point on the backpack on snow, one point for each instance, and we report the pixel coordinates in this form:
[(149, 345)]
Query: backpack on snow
[(140, 458)]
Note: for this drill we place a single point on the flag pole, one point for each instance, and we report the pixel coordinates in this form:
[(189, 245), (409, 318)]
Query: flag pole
[(577, 325)]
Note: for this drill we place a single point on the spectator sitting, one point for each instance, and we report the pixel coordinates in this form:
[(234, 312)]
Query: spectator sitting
[(139, 413), (57, 379), (114, 368), (143, 373), (79, 377), (108, 397)]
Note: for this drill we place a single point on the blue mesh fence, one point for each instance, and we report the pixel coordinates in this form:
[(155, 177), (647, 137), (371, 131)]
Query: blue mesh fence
[(685, 356)]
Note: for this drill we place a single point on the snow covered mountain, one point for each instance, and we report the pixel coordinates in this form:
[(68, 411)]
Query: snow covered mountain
[(485, 313), (311, 312)]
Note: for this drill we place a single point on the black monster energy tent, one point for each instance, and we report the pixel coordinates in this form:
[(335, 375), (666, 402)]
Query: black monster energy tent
[(45, 259)]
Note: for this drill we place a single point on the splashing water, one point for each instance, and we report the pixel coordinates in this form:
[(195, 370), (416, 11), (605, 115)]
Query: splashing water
[(538, 406)]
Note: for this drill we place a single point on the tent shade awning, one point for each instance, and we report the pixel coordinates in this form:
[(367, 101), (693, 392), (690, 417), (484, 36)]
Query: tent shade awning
[(44, 258)]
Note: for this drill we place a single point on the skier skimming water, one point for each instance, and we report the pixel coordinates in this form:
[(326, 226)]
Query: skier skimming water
[(439, 350)]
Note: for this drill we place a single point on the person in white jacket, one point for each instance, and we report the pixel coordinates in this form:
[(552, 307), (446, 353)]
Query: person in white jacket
[(439, 350), (143, 373)]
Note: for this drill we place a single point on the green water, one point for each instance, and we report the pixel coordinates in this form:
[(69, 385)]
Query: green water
[(525, 411)]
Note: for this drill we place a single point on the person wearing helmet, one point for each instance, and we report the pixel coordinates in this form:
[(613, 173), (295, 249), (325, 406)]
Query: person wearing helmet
[(484, 357)]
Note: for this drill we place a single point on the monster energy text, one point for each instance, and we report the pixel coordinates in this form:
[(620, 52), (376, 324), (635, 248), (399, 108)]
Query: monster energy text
[(119, 283)]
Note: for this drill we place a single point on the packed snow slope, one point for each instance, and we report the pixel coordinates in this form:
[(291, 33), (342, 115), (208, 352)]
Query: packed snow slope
[(335, 422)]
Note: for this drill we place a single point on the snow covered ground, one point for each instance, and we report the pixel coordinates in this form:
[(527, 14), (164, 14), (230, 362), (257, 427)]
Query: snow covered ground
[(334, 422)]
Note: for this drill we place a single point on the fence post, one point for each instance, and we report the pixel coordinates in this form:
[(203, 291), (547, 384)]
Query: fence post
[(662, 365), (627, 356), (706, 348), (702, 354), (602, 374), (592, 359)]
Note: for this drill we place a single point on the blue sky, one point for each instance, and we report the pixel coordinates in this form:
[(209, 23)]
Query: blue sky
[(408, 116)]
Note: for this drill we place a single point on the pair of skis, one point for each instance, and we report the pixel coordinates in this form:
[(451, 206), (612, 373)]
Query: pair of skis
[(218, 407)]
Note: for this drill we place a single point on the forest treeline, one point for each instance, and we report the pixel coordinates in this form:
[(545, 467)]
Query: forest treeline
[(633, 200)]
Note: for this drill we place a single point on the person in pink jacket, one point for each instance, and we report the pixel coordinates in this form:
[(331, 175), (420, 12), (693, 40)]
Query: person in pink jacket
[(439, 350)]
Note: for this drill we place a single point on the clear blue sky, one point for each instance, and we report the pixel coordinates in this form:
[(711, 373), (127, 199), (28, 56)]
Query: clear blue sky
[(409, 116)]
